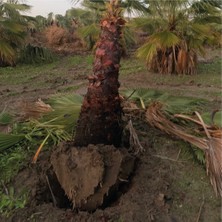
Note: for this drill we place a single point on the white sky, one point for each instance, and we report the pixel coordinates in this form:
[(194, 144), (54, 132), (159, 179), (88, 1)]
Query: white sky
[(44, 7)]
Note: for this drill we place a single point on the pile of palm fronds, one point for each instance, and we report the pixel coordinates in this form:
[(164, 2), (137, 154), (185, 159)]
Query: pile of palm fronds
[(205, 137), (51, 123)]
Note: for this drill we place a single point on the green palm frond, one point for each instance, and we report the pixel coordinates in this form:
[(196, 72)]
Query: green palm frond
[(14, 6), (147, 51), (57, 125), (90, 30), (7, 53), (128, 36), (137, 7), (160, 40), (147, 24), (66, 111), (164, 39), (32, 54), (201, 30), (171, 103), (12, 26), (217, 119), (209, 19), (90, 34)]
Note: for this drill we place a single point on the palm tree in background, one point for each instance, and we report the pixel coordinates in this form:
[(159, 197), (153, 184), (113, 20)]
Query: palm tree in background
[(13, 30), (41, 22), (178, 31), (90, 29)]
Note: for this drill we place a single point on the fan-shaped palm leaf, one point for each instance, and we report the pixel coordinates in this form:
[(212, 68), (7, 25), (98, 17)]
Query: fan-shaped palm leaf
[(164, 39), (7, 53), (147, 51)]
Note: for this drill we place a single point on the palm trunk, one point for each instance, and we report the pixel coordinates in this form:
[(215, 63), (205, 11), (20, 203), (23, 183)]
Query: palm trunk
[(101, 112)]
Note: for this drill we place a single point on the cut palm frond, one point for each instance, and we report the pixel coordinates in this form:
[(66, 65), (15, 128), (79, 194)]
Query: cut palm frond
[(34, 110), (211, 146), (172, 104), (66, 110), (56, 122)]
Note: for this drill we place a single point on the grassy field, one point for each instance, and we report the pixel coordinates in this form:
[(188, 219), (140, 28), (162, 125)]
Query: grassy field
[(69, 74)]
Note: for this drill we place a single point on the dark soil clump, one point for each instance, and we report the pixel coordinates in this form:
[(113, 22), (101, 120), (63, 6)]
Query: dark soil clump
[(92, 176)]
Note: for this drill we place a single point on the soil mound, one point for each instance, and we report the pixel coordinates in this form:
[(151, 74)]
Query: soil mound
[(92, 176)]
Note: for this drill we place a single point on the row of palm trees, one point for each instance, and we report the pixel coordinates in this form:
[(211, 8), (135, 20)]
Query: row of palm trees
[(177, 31)]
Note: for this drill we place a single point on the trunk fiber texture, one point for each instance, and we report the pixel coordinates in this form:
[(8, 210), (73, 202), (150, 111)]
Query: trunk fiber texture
[(101, 112)]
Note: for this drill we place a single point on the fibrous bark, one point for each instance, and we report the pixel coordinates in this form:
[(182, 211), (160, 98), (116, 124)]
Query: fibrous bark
[(100, 117)]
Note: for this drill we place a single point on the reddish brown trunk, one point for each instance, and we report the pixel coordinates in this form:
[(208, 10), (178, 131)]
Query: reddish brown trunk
[(100, 117)]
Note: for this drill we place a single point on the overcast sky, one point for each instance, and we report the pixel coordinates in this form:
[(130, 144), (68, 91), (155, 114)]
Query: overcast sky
[(44, 7)]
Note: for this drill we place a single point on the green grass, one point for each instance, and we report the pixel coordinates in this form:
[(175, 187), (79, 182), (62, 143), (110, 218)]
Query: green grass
[(208, 75), (25, 73), (11, 162), (132, 66), (210, 68), (10, 201), (69, 88), (77, 60)]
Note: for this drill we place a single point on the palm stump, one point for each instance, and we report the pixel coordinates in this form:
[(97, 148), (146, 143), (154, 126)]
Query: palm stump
[(92, 170)]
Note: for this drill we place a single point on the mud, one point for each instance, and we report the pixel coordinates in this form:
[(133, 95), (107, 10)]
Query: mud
[(91, 176)]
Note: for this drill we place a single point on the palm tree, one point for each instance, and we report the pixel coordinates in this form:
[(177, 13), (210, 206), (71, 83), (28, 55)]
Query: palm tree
[(40, 22), (13, 30), (101, 112), (100, 122), (94, 11), (178, 31)]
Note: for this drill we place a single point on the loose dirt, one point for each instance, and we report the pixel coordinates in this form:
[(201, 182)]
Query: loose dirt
[(91, 176)]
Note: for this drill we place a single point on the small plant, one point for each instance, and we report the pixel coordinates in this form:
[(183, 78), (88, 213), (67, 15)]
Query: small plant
[(5, 118), (11, 162), (9, 201)]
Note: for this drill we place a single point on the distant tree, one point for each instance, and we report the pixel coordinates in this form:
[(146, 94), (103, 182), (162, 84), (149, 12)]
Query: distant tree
[(178, 31), (94, 10), (40, 22), (13, 29)]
